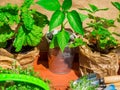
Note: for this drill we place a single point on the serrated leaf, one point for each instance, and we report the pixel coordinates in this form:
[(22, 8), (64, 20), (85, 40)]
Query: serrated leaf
[(93, 7), (56, 19), (27, 20), (5, 33), (34, 36), (83, 17), (40, 19), (19, 40), (63, 38), (9, 14), (75, 22), (51, 5), (25, 37), (116, 4), (66, 4)]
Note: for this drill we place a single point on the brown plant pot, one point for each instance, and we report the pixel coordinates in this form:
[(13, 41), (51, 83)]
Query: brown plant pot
[(24, 59), (7, 62), (60, 62), (95, 62)]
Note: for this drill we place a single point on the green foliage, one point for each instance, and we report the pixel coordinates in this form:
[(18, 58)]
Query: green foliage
[(51, 5), (5, 33), (116, 4), (66, 4), (75, 22), (9, 14), (40, 19), (104, 39), (100, 38), (83, 16), (93, 9), (29, 24), (28, 20), (77, 42), (82, 84), (27, 3), (54, 42), (18, 79), (57, 19), (63, 36)]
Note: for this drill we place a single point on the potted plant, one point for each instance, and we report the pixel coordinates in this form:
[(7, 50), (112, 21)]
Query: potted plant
[(26, 35), (99, 53), (117, 6), (60, 55), (18, 79)]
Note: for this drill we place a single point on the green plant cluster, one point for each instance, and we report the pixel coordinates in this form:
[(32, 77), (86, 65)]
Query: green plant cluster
[(29, 24), (82, 84), (61, 15), (100, 38), (117, 5), (19, 79)]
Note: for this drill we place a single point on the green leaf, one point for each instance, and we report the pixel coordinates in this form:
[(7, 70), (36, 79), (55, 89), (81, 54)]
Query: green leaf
[(93, 7), (28, 20), (27, 3), (24, 78), (85, 9), (25, 37), (51, 5), (63, 38), (19, 40), (5, 33), (67, 4), (3, 44), (116, 4), (40, 19), (9, 14), (83, 17), (54, 42), (34, 36), (75, 22), (56, 19), (77, 42)]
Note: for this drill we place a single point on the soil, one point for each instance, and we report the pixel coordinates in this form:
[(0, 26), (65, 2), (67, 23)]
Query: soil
[(9, 47), (102, 51)]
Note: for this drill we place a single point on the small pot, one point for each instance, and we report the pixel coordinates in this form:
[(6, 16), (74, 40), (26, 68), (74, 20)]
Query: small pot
[(60, 62)]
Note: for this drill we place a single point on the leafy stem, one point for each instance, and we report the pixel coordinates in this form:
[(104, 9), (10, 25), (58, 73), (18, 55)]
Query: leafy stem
[(62, 12)]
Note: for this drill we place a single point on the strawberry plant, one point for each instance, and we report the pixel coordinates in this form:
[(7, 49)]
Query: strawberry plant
[(61, 15), (29, 24), (99, 37)]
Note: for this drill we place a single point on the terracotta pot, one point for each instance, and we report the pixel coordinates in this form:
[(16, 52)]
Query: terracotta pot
[(60, 62)]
